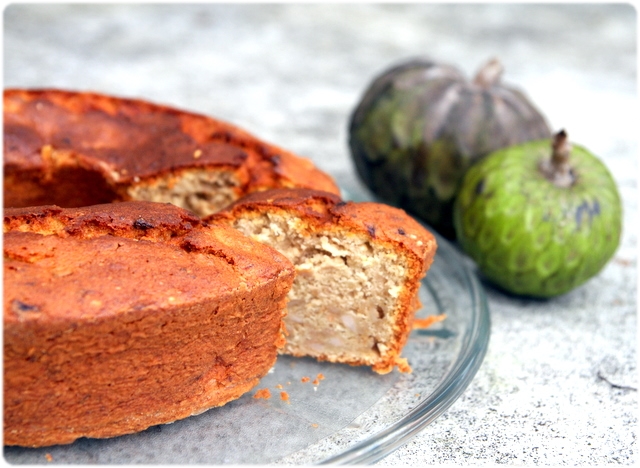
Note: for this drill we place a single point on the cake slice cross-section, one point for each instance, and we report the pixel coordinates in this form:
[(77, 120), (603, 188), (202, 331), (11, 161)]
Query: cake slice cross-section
[(358, 271)]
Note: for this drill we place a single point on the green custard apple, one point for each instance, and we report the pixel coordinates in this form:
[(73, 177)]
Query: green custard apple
[(539, 218), (421, 124)]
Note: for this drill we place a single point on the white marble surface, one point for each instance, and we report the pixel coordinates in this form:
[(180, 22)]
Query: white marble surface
[(559, 382)]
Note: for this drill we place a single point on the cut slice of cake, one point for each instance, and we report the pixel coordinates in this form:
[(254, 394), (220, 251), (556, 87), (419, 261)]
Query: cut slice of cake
[(358, 271)]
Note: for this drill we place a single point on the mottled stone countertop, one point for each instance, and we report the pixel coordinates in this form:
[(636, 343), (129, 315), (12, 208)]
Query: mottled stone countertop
[(559, 382)]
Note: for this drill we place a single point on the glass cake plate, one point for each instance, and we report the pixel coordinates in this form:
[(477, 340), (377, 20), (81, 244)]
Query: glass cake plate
[(334, 413)]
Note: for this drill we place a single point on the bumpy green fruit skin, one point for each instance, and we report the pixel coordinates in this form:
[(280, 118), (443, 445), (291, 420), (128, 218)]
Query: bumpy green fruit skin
[(529, 236)]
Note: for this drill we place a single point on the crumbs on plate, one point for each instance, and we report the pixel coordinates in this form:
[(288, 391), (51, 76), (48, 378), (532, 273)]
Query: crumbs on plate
[(263, 393)]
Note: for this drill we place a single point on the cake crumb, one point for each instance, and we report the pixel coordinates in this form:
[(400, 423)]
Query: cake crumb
[(305, 379), (48, 457), (314, 425), (263, 393), (403, 366), (284, 396), (279, 387), (318, 378), (420, 324)]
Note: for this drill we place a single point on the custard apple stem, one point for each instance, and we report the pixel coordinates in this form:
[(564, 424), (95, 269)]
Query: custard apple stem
[(489, 75), (557, 169)]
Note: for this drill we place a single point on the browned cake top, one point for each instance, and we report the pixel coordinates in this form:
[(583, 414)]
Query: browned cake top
[(128, 139), (126, 219), (326, 210), (88, 262)]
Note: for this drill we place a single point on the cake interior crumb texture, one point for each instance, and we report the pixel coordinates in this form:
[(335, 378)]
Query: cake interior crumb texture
[(344, 301), (202, 191)]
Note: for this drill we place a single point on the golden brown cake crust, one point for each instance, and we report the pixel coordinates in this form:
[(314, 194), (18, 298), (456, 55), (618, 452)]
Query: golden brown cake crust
[(124, 316), (380, 221), (386, 226), (81, 148)]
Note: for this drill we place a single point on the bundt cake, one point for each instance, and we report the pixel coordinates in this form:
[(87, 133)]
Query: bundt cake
[(120, 316), (358, 271), (123, 316), (77, 148)]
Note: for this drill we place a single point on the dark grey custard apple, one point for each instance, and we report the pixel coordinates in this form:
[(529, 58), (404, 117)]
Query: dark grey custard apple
[(421, 124), (539, 218)]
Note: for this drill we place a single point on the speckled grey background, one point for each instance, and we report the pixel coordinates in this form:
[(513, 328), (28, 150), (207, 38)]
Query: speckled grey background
[(559, 382)]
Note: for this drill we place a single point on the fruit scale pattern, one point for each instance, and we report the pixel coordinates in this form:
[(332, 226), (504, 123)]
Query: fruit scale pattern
[(532, 236)]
